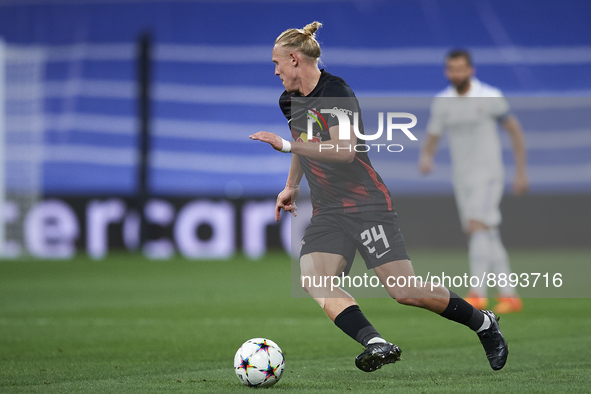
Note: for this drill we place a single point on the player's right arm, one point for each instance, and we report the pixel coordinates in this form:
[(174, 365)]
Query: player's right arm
[(427, 153), (286, 199), (435, 127)]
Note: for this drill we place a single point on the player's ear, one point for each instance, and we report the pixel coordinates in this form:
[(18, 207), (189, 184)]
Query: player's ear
[(293, 58)]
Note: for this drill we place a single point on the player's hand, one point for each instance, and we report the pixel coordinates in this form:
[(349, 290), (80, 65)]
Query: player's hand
[(520, 184), (286, 201), (425, 164), (272, 139)]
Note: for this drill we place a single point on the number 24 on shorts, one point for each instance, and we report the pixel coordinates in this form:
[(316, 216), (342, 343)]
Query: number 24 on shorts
[(374, 235)]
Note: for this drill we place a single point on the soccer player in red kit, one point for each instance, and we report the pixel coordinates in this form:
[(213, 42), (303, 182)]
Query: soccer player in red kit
[(352, 210)]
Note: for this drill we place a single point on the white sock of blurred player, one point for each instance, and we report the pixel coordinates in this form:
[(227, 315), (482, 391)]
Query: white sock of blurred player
[(500, 262)]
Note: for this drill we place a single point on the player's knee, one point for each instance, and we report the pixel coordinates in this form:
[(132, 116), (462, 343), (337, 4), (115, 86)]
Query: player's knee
[(475, 225)]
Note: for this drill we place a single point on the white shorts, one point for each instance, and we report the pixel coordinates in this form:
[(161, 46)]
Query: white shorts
[(480, 202)]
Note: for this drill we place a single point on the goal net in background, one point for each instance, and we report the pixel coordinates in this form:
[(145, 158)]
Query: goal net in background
[(21, 132)]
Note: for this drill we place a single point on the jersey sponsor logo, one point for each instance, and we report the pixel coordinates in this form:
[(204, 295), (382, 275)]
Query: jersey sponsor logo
[(304, 138)]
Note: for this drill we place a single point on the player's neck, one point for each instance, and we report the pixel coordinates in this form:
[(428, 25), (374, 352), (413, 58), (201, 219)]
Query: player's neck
[(309, 81)]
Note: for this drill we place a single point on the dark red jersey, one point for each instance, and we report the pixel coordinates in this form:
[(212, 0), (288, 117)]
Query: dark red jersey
[(334, 187)]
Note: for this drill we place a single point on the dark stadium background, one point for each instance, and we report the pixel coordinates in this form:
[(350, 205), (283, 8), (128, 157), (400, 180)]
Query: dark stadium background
[(213, 85)]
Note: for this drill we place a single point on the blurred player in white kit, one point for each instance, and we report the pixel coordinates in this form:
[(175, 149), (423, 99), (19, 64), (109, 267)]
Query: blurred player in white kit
[(469, 111)]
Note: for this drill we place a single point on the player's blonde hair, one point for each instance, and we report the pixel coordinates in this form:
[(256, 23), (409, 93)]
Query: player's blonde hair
[(302, 40)]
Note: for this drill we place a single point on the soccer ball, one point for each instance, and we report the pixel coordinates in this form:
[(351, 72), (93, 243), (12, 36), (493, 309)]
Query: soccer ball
[(259, 363)]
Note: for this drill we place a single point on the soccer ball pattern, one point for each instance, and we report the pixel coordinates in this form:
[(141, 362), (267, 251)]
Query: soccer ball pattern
[(259, 363)]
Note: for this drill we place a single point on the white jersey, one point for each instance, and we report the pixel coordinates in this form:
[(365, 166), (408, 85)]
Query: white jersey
[(470, 122)]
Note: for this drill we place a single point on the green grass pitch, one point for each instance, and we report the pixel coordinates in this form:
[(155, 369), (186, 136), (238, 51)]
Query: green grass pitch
[(130, 325)]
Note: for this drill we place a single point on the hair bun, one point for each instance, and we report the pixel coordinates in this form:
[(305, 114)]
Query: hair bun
[(303, 40), (311, 28)]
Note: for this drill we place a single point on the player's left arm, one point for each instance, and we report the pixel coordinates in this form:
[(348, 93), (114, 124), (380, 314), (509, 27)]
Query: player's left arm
[(513, 127)]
